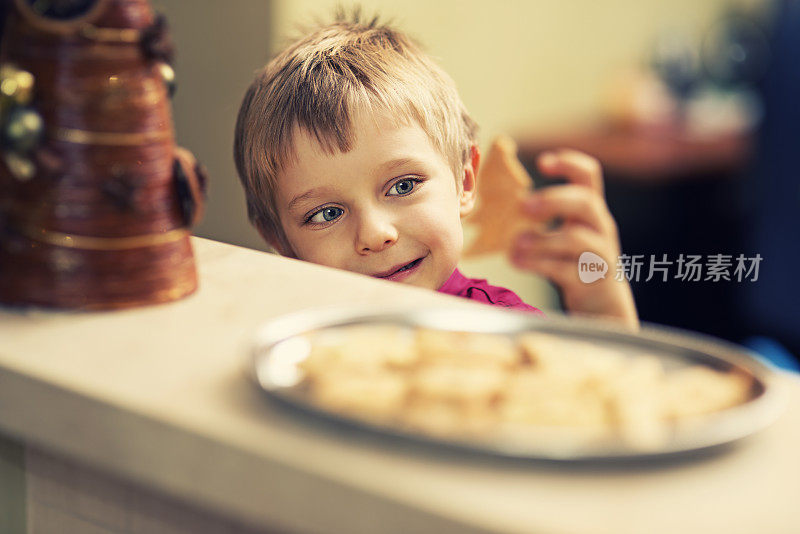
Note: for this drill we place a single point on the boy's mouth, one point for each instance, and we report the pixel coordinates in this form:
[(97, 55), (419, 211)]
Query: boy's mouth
[(400, 272)]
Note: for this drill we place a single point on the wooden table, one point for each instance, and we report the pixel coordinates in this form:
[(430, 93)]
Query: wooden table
[(144, 421)]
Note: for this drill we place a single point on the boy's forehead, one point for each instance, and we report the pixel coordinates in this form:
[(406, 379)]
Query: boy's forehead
[(377, 140), (305, 144), (360, 124)]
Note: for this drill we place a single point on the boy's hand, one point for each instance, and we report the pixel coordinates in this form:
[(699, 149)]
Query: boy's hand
[(587, 225)]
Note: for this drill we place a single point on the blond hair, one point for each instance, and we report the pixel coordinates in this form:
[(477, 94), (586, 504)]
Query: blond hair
[(319, 82)]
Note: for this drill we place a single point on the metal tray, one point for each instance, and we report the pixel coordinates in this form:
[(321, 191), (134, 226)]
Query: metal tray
[(279, 347)]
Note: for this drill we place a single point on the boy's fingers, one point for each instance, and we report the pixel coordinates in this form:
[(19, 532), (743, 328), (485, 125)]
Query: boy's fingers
[(568, 245), (576, 167), (571, 203), (560, 271)]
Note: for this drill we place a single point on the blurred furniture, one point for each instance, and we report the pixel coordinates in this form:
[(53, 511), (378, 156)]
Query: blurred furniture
[(146, 421), (772, 191), (671, 193)]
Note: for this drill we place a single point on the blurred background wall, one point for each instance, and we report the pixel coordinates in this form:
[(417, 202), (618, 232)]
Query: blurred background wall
[(521, 67)]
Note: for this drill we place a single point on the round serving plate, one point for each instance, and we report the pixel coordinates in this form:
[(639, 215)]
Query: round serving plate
[(281, 345)]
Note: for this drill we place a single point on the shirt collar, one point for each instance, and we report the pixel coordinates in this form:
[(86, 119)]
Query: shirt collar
[(455, 284)]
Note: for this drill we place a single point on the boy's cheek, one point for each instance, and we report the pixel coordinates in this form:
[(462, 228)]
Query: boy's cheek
[(306, 248), (437, 228), (322, 255)]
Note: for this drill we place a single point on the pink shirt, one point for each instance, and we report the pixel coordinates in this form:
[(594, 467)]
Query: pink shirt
[(480, 290)]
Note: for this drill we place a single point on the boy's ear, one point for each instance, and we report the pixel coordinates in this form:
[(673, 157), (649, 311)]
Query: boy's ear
[(469, 181), (274, 237)]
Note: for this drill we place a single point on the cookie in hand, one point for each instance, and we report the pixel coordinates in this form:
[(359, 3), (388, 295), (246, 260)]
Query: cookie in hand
[(502, 184)]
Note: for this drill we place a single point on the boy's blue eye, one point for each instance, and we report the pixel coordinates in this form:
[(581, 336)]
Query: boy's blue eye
[(326, 215), (402, 187)]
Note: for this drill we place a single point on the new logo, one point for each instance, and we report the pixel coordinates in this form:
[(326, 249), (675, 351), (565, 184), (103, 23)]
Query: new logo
[(591, 267)]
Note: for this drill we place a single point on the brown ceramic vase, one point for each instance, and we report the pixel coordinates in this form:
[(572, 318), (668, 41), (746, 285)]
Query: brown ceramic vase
[(96, 215)]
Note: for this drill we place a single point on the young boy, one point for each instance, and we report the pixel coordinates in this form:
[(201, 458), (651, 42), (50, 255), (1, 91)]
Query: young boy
[(356, 152)]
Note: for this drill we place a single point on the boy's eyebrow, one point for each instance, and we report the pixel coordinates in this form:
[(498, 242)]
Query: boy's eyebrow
[(395, 163), (305, 196)]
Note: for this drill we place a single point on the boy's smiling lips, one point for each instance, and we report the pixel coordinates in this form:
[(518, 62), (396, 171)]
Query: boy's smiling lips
[(400, 271)]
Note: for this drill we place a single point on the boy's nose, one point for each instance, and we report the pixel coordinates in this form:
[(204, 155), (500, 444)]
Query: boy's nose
[(375, 234)]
